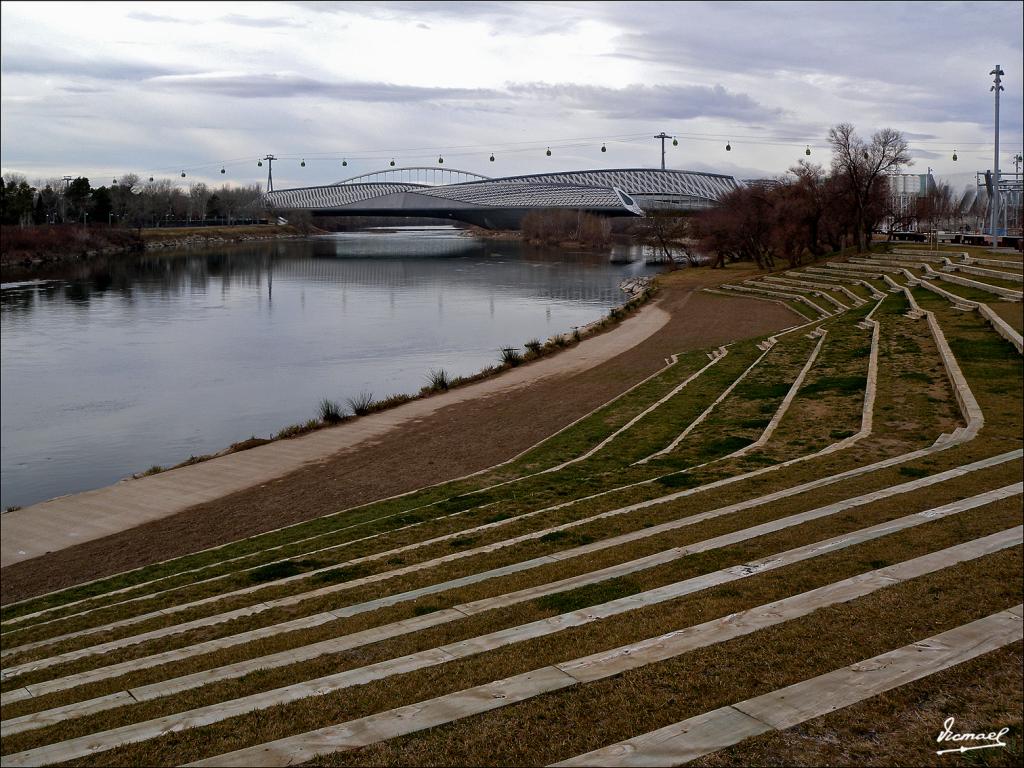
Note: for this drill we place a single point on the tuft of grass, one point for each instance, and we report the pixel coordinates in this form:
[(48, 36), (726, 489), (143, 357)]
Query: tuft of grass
[(841, 434), (340, 575), (566, 537), (156, 469), (592, 594), (389, 402), (244, 445), (511, 356), (979, 350), (13, 508), (274, 571), (294, 430), (331, 411), (681, 480), (534, 347), (438, 380), (913, 472), (760, 391), (846, 385), (362, 403)]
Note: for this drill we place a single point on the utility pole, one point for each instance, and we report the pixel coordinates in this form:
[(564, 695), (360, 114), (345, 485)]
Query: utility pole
[(270, 172), (64, 201), (996, 88), (663, 136)]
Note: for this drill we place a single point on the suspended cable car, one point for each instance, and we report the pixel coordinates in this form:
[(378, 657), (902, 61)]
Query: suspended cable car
[(223, 170), (392, 161), (866, 155), (808, 150), (440, 160), (259, 163), (954, 155), (151, 178), (114, 182), (604, 148), (548, 153), (675, 142), (183, 174), (303, 163), (492, 157), (728, 147), (344, 163)]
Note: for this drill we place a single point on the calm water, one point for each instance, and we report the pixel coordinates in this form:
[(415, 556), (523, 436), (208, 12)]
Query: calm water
[(149, 361)]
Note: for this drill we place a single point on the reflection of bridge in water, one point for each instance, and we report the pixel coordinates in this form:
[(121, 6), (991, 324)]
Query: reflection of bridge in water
[(502, 203), (481, 268)]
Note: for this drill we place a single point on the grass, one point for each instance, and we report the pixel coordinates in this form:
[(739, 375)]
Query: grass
[(783, 644), (511, 356), (438, 380), (331, 412), (914, 404), (361, 404)]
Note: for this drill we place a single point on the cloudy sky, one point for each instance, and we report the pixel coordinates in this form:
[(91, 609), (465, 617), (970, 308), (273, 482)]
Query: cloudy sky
[(101, 89)]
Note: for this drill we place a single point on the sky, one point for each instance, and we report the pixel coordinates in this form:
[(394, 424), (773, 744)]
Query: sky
[(103, 89)]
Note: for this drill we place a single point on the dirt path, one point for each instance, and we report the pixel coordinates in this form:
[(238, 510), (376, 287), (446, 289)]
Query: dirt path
[(417, 444)]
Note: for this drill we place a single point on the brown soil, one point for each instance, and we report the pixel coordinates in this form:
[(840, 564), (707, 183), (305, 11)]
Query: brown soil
[(452, 442)]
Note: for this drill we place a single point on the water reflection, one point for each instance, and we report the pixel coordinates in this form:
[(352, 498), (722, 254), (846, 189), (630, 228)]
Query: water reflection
[(146, 360)]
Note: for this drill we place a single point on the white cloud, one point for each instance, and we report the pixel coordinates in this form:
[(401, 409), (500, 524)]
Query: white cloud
[(103, 88)]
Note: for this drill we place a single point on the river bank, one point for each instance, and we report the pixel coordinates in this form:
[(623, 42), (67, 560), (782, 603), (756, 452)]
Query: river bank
[(25, 252), (639, 290), (460, 432)]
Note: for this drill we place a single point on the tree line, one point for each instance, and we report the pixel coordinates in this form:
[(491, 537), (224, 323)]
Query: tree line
[(809, 212), (129, 201)]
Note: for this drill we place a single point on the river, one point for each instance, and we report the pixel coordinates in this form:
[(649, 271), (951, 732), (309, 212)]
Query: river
[(147, 360)]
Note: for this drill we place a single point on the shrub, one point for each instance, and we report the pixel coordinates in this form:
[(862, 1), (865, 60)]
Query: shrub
[(362, 403), (553, 226), (438, 380), (331, 412), (511, 356)]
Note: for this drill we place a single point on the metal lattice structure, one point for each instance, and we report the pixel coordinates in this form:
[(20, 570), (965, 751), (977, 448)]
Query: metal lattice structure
[(638, 182), (427, 175), (503, 202)]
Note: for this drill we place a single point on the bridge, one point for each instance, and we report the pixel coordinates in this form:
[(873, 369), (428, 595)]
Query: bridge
[(449, 193)]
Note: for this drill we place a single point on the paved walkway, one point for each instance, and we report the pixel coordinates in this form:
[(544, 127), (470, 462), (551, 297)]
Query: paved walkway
[(69, 520)]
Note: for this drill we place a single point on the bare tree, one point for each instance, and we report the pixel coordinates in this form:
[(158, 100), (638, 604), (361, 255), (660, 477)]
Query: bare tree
[(669, 234), (198, 197), (863, 166)]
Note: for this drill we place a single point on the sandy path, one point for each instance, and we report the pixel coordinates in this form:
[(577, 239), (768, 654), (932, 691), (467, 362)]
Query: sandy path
[(88, 535)]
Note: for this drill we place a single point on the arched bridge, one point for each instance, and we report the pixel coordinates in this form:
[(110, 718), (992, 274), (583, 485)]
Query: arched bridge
[(502, 203)]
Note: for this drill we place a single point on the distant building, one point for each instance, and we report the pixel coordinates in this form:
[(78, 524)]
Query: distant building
[(905, 189), (762, 184)]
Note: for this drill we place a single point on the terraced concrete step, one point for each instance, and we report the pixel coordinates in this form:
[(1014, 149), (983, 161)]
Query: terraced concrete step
[(784, 708), (445, 709)]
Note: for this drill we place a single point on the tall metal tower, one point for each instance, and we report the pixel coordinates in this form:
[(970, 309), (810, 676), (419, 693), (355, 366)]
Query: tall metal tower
[(663, 136), (996, 88), (270, 172)]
